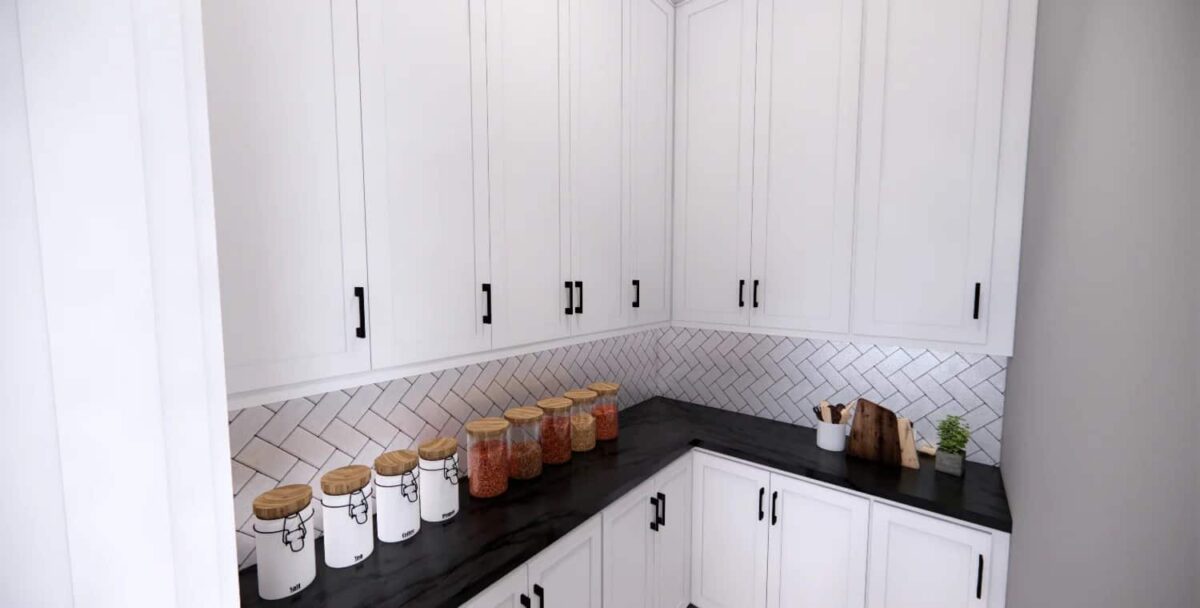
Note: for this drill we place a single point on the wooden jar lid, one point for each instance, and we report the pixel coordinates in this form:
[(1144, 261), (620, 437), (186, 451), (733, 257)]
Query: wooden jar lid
[(395, 463), (580, 394), (485, 428), (344, 480), (554, 404), (438, 449), (524, 414), (282, 501), (605, 388)]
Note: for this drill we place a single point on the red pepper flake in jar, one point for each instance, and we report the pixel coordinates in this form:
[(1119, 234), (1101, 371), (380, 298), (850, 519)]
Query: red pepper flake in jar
[(487, 457), (556, 430), (604, 408), (524, 442)]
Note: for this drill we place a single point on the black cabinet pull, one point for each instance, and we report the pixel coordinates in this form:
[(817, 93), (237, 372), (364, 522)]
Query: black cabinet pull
[(654, 503), (525, 601), (978, 287), (662, 504), (541, 595), (579, 308), (637, 293), (570, 309), (361, 331), (755, 294), (761, 493), (774, 503), (979, 580), (741, 293), (487, 316)]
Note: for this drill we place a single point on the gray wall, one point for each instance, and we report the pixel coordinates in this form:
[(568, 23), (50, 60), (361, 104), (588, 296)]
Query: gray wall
[(1101, 423)]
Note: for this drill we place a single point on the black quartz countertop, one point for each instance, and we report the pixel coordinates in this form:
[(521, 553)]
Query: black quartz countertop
[(447, 564)]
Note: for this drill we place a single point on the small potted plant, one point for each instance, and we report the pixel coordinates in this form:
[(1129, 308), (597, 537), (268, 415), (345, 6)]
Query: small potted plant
[(953, 435)]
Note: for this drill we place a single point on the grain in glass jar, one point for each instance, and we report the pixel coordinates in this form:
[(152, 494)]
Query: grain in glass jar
[(524, 442), (583, 423), (556, 430), (438, 461), (605, 409), (487, 457)]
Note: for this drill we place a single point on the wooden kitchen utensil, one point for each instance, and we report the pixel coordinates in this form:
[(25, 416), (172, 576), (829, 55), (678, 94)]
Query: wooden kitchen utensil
[(874, 434), (908, 444)]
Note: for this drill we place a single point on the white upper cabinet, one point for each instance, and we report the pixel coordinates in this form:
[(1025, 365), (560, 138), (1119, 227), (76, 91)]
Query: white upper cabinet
[(933, 97), (714, 135), (287, 184), (806, 126), (425, 165), (921, 561), (650, 36), (527, 138)]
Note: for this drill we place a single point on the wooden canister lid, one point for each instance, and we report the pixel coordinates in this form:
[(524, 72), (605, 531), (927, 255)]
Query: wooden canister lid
[(554, 404), (487, 427), (605, 388), (438, 449), (344, 480), (282, 501), (524, 414), (580, 394), (395, 463)]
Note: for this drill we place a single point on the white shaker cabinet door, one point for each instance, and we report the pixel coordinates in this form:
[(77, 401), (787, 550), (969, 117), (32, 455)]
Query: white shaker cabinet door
[(424, 117), (569, 572), (527, 139), (806, 127), (818, 547), (714, 135), (285, 129), (729, 533), (629, 537), (673, 549), (509, 592), (918, 560), (933, 85), (650, 72)]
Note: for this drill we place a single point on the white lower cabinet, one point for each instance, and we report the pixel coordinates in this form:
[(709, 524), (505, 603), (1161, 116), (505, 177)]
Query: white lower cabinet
[(729, 533), (509, 592), (566, 574)]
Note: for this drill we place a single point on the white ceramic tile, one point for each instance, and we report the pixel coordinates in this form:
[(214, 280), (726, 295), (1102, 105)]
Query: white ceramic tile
[(266, 458)]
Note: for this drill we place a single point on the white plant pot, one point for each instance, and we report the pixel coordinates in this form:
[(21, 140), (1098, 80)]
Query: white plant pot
[(831, 436), (287, 561)]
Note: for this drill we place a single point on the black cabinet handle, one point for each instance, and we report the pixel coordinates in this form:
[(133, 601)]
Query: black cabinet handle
[(487, 316), (774, 503), (360, 293), (541, 595), (979, 580), (741, 293), (662, 504), (755, 294), (654, 522), (637, 293), (761, 493), (579, 308), (570, 309), (525, 601), (978, 287)]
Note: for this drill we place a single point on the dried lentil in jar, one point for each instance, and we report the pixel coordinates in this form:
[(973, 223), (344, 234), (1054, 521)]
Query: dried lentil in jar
[(556, 430), (487, 457), (605, 409), (524, 442), (583, 423)]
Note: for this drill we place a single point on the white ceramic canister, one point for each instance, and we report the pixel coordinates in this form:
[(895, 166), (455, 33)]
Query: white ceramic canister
[(283, 541), (831, 436), (346, 511), (397, 496), (438, 463)]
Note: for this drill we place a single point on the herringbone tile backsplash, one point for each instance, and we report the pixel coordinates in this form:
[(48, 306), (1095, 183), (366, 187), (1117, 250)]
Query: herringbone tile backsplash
[(297, 441)]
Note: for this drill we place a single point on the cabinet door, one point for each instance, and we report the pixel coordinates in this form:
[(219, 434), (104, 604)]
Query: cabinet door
[(818, 547), (287, 187), (649, 73), (932, 93), (918, 560), (426, 226), (527, 124), (673, 542), (729, 533), (714, 136), (629, 538), (568, 573), (508, 592), (596, 176), (806, 139)]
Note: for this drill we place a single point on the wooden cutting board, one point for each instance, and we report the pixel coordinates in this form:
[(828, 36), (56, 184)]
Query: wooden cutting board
[(875, 434), (908, 445)]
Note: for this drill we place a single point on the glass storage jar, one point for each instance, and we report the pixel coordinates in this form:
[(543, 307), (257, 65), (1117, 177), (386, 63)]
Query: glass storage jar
[(438, 462), (524, 442), (583, 423), (283, 540), (556, 430), (397, 496), (487, 457), (346, 514), (605, 409)]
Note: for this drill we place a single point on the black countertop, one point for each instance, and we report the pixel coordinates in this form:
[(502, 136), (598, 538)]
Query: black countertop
[(448, 564)]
